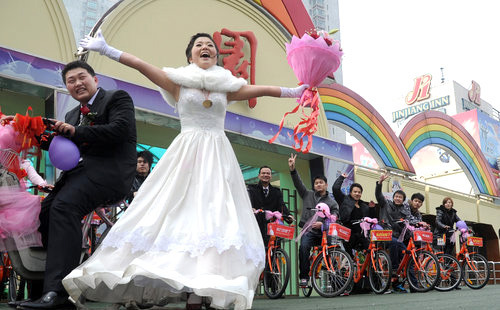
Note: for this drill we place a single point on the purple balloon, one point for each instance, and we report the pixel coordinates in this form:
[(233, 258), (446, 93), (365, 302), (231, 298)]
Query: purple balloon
[(461, 225), (63, 153)]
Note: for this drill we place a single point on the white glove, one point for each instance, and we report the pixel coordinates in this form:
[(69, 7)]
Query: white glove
[(293, 92), (98, 44)]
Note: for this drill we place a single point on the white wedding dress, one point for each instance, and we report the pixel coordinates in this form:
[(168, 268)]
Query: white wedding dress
[(190, 227)]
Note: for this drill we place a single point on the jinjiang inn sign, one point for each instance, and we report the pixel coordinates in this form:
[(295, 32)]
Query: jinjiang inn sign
[(420, 92)]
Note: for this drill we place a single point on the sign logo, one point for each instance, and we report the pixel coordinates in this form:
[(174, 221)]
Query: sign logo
[(421, 89), (235, 60), (475, 93)]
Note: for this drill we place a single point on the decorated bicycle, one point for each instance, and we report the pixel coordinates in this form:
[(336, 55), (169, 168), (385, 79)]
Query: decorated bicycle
[(331, 267), (277, 272)]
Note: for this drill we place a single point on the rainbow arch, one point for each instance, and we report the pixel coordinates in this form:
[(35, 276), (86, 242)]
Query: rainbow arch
[(358, 117), (437, 128)]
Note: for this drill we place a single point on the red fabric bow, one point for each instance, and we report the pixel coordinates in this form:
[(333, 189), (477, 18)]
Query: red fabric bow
[(28, 127)]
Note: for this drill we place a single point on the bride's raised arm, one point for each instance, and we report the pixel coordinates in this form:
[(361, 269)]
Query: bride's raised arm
[(252, 91), (153, 73)]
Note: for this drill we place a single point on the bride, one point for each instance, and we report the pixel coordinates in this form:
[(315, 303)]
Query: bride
[(190, 227)]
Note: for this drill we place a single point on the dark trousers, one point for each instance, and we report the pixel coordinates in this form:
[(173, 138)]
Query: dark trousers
[(356, 241), (307, 241), (396, 250), (73, 197)]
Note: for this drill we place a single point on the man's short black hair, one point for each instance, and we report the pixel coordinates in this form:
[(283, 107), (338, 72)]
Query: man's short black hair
[(353, 185), (418, 196), (76, 64), (321, 177), (401, 192), (147, 156), (260, 169)]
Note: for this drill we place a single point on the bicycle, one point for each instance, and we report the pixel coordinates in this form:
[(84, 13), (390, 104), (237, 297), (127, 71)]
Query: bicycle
[(29, 264), (278, 268), (376, 262), (475, 270), (450, 268), (419, 266), (91, 222), (331, 268)]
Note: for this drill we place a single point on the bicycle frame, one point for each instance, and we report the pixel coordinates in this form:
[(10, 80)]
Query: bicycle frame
[(464, 254), (322, 250), (362, 268), (410, 253)]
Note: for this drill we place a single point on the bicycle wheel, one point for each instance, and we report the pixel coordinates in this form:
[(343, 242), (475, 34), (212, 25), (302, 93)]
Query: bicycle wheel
[(13, 292), (331, 276), (450, 273), (277, 275), (423, 274), (307, 290), (380, 271), (475, 271)]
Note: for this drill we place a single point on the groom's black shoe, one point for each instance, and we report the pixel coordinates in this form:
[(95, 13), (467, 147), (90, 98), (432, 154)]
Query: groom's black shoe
[(50, 300)]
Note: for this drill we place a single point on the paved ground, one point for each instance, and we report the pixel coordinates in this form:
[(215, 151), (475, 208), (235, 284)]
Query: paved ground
[(486, 298)]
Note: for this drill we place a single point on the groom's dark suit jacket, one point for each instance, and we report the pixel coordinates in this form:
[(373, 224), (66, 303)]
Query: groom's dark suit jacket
[(108, 146), (105, 173)]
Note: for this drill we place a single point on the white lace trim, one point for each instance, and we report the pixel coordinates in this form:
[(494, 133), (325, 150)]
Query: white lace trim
[(139, 242), (214, 79)]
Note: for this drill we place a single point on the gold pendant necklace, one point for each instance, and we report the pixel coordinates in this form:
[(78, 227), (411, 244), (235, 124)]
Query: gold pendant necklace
[(207, 103)]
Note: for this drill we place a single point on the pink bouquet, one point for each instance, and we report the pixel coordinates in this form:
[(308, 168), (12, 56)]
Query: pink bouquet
[(312, 58)]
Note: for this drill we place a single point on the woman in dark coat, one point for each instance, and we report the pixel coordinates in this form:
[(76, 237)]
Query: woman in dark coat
[(446, 217)]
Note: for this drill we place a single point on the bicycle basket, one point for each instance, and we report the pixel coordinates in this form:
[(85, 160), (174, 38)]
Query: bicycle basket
[(8, 157), (337, 230), (423, 236), (282, 231), (380, 235)]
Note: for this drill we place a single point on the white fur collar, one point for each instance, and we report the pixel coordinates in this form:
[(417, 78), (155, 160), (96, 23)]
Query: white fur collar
[(215, 78)]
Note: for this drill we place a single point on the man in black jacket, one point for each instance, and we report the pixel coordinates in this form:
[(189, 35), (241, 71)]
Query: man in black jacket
[(353, 209), (390, 213), (144, 162), (310, 198), (103, 128), (267, 197)]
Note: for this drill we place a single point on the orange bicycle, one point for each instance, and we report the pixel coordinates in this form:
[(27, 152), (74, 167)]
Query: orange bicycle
[(420, 267), (278, 266), (475, 270), (331, 268), (450, 268), (374, 261)]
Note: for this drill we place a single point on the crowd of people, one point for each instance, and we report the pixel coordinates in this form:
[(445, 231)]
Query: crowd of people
[(190, 219)]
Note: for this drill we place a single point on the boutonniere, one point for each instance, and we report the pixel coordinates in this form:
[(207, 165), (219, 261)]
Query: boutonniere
[(88, 117)]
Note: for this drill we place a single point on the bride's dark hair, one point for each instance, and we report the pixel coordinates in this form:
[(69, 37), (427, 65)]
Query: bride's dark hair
[(191, 44)]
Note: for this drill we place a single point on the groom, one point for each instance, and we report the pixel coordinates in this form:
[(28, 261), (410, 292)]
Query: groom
[(103, 128)]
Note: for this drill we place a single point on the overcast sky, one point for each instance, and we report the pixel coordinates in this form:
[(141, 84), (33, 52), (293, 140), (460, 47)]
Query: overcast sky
[(388, 43)]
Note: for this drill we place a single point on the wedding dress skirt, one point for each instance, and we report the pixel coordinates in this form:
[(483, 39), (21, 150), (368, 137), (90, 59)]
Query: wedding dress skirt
[(190, 227)]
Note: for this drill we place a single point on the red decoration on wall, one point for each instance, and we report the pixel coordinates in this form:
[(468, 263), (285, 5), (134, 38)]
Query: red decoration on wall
[(234, 51)]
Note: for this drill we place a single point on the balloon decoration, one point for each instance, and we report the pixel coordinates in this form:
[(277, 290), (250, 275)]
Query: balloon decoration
[(63, 153)]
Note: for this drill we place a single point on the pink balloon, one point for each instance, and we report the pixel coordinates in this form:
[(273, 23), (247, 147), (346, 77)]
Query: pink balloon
[(63, 153)]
